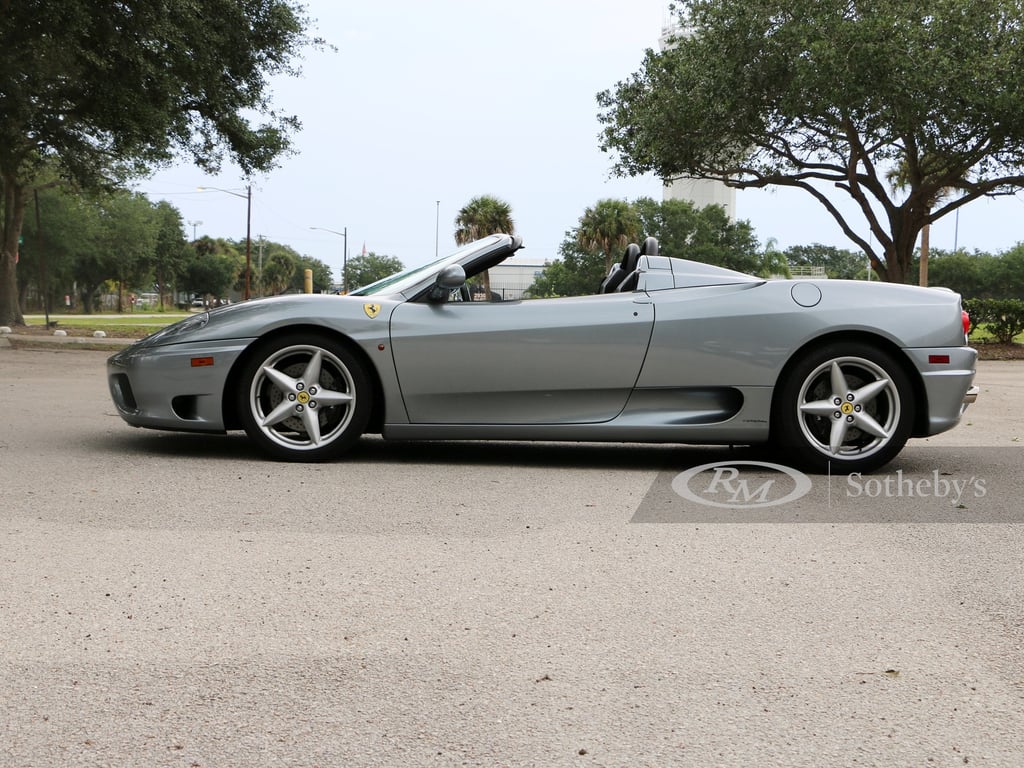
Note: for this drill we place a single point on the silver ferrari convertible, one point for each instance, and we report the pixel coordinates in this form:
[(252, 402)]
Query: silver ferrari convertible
[(835, 375)]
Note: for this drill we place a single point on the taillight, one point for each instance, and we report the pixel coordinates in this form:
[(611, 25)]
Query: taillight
[(967, 321)]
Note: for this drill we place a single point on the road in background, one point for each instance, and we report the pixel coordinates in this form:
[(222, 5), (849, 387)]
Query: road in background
[(176, 600)]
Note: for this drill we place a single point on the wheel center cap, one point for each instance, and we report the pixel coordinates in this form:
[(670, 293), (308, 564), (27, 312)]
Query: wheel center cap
[(303, 397), (847, 408)]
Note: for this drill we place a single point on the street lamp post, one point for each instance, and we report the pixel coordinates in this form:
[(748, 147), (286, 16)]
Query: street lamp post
[(344, 255), (248, 229)]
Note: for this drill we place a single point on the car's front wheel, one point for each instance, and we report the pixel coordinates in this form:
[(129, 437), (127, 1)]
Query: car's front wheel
[(846, 407), (304, 397)]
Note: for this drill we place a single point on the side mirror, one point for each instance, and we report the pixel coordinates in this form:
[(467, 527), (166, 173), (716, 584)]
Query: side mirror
[(448, 279)]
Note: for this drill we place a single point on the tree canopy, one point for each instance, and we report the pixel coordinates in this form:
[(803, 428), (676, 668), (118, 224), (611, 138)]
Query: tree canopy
[(214, 267), (682, 230), (369, 268), (483, 215), (322, 277), (606, 228), (701, 234), (981, 275), (102, 90), (576, 272), (814, 94), (838, 263), (98, 244)]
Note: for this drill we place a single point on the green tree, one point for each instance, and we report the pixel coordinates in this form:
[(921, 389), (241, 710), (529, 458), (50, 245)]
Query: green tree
[(128, 238), (279, 270), (482, 216), (263, 253), (819, 94), (67, 230), (700, 234), (322, 279), (213, 268), (369, 268), (91, 239), (608, 227), (171, 252), (900, 178), (106, 89), (90, 268), (771, 262), (1009, 273), (973, 276), (577, 272), (839, 263), (682, 230)]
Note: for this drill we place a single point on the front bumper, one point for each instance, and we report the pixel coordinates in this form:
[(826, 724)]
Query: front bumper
[(175, 386)]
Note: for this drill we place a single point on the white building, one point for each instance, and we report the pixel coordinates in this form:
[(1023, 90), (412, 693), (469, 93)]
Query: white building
[(511, 279), (702, 193)]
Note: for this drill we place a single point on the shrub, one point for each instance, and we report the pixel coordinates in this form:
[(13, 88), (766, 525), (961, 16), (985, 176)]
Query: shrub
[(1002, 318)]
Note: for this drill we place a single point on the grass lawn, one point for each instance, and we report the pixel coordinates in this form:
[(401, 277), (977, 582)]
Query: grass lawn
[(129, 325), (981, 335)]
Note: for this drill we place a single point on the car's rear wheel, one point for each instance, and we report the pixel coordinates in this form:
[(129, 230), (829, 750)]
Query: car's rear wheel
[(846, 407), (304, 397)]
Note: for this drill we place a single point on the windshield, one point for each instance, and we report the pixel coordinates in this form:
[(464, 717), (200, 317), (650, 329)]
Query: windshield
[(401, 281)]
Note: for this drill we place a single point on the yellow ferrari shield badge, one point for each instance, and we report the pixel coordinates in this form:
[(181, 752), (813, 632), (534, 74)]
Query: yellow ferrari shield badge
[(371, 310)]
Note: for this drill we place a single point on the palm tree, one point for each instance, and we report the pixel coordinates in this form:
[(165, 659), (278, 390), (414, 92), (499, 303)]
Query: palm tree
[(482, 216), (608, 227)]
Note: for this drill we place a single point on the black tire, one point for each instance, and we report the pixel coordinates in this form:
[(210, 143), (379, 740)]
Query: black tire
[(846, 407), (293, 419)]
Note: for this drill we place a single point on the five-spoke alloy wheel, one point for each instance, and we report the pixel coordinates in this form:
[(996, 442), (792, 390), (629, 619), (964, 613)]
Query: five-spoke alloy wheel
[(304, 397), (846, 407)]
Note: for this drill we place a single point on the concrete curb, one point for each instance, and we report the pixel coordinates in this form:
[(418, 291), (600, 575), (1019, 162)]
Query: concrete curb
[(32, 341)]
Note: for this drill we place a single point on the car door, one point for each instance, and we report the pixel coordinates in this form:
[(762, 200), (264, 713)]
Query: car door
[(544, 361)]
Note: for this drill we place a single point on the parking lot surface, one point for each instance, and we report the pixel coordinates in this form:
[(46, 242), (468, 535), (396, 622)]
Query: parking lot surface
[(176, 600)]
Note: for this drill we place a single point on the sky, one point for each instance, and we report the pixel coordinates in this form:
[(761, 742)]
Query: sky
[(422, 106)]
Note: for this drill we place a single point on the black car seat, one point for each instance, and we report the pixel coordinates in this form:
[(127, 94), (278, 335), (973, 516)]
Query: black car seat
[(632, 278), (620, 270)]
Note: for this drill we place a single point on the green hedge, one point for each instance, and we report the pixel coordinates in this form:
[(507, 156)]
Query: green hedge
[(1002, 318)]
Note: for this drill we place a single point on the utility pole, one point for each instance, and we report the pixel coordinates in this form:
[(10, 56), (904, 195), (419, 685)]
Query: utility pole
[(259, 270)]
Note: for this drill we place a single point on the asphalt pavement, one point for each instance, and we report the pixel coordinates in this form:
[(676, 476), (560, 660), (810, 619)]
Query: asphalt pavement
[(176, 600)]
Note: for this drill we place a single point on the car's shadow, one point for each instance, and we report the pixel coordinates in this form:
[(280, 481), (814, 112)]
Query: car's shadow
[(919, 458), (643, 456), (373, 449)]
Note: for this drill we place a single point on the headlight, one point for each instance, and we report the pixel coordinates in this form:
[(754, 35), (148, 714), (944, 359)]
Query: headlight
[(180, 328)]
